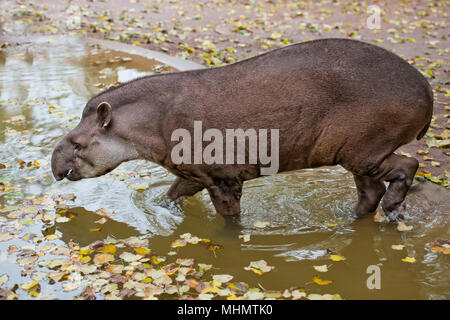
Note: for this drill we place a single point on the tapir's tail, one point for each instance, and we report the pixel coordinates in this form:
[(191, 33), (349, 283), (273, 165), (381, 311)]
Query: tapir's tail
[(423, 131)]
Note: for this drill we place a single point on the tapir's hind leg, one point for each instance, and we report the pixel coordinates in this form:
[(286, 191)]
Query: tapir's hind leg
[(370, 192), (183, 187), (399, 171)]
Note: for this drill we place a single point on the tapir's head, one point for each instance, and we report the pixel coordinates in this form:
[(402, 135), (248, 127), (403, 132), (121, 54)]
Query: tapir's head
[(94, 147)]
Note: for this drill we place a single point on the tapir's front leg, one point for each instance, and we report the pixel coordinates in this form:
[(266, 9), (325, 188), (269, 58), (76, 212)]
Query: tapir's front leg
[(183, 187), (226, 197)]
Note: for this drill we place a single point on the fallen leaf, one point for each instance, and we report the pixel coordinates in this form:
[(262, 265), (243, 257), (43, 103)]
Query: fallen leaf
[(3, 279), (403, 227), (336, 257), (103, 258), (322, 268), (409, 259), (245, 237), (260, 224), (129, 257), (109, 248), (222, 278), (321, 282), (379, 217), (142, 251), (397, 246), (259, 267), (100, 221)]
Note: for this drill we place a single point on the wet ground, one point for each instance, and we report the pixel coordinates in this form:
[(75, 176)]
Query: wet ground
[(308, 214)]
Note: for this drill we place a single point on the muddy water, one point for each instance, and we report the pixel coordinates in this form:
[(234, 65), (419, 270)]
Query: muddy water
[(43, 89)]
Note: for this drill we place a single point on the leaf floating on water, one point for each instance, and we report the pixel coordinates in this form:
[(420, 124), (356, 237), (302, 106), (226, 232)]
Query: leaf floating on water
[(336, 257), (109, 248), (135, 242), (56, 276), (322, 268), (245, 237), (101, 221), (441, 246), (103, 258), (95, 229), (397, 246), (321, 282), (142, 251), (129, 257), (379, 217), (52, 237), (409, 259), (115, 268), (259, 267), (260, 224), (297, 294), (403, 227), (104, 212), (87, 294), (178, 244), (3, 279), (222, 278), (5, 236), (33, 288)]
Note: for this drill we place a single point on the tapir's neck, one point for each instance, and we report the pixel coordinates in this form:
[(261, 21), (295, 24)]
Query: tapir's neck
[(137, 125)]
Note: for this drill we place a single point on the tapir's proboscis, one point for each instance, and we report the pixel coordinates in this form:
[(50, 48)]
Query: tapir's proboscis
[(334, 102)]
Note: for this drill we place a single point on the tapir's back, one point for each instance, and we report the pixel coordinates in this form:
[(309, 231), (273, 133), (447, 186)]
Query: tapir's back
[(319, 94), (307, 79)]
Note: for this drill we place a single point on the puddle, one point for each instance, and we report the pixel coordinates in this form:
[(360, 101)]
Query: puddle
[(43, 90)]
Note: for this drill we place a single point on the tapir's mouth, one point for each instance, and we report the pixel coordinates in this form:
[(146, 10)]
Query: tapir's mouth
[(72, 175)]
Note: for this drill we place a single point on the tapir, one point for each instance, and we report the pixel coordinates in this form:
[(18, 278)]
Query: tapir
[(333, 101)]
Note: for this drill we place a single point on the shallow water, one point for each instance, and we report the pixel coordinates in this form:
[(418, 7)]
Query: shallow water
[(308, 211)]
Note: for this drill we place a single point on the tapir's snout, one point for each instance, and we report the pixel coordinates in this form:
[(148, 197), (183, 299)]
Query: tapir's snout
[(60, 165)]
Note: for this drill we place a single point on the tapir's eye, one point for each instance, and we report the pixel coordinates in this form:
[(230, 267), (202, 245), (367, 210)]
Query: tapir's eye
[(76, 147)]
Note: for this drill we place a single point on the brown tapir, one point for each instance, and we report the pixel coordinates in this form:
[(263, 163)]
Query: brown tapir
[(334, 101)]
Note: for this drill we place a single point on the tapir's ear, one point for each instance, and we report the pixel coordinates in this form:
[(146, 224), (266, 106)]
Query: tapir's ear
[(104, 114)]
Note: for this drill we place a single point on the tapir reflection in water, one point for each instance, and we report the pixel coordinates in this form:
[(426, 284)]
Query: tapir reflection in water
[(334, 101)]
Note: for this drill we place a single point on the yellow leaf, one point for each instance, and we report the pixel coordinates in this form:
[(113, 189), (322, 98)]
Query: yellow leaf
[(109, 248), (336, 257), (257, 271), (85, 259), (87, 251), (27, 286), (321, 282), (409, 259), (95, 229), (52, 237), (142, 251), (157, 260), (178, 243)]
